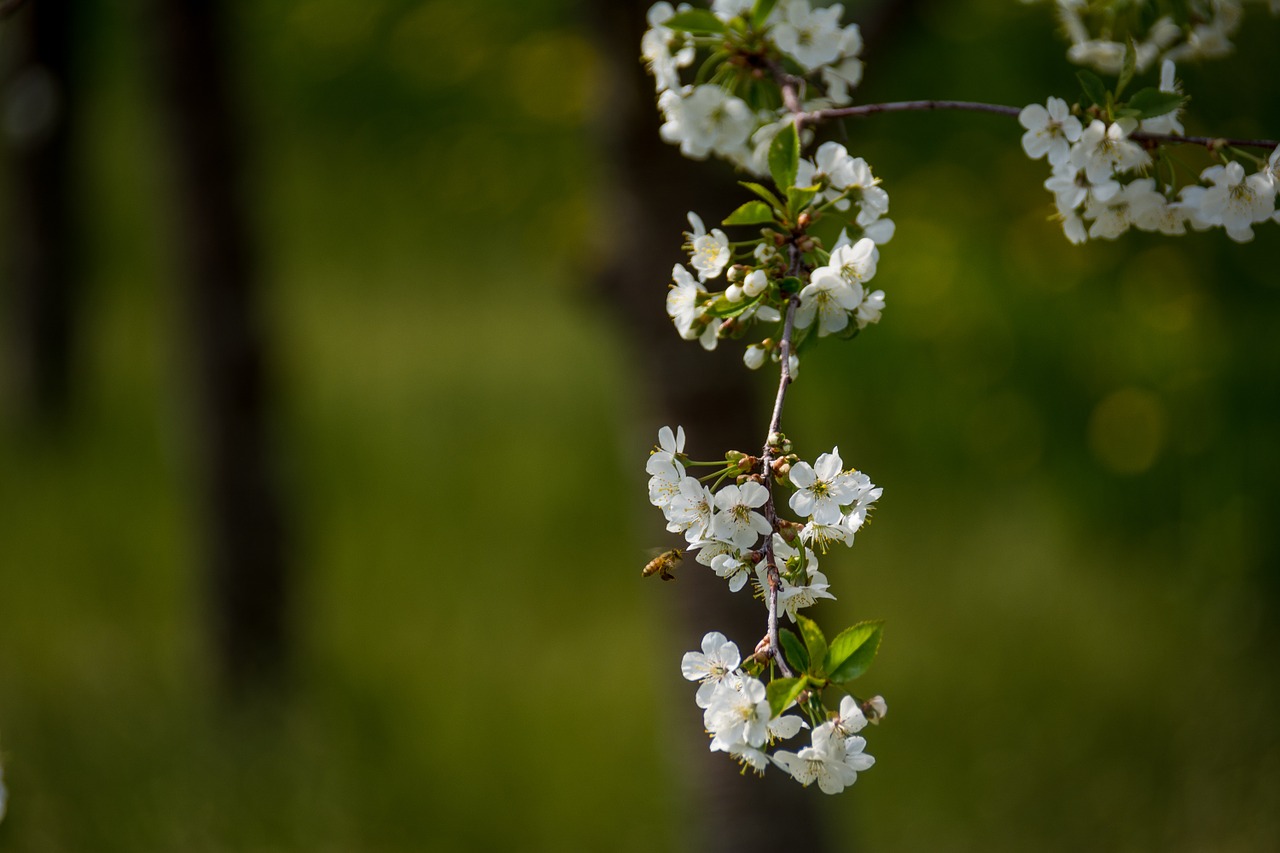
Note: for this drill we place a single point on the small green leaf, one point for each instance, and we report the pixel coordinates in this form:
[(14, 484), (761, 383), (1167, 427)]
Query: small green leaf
[(765, 194), (695, 21), (814, 642), (760, 13), (751, 213), (1126, 72), (1150, 103), (790, 284), (784, 156), (798, 198), (794, 650), (853, 650), (1094, 89), (783, 691)]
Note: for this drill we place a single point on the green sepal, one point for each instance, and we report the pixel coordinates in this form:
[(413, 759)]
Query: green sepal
[(695, 21), (852, 651), (751, 213), (1150, 103), (814, 643), (1094, 89), (790, 284), (723, 308), (783, 691), (1126, 71), (765, 194), (798, 198), (760, 12), (784, 156), (794, 650)]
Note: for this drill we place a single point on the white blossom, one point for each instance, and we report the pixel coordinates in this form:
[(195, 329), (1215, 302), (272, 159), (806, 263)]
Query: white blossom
[(733, 568), (655, 49), (709, 252), (715, 664), (737, 521), (1235, 201), (831, 760), (737, 713), (866, 493), (822, 488), (1103, 150), (812, 37), (706, 120), (828, 298), (689, 511), (1050, 130), (683, 302), (753, 356)]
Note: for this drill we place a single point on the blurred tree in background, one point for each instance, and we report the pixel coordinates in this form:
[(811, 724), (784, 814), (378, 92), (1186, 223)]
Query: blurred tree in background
[(1075, 555)]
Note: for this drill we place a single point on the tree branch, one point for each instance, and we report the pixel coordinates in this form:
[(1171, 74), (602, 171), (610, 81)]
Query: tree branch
[(818, 116)]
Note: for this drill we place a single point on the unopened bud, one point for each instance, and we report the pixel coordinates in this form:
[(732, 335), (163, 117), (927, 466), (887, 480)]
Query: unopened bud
[(755, 283), (781, 468), (754, 357), (804, 220), (762, 654), (775, 438), (737, 272), (733, 456), (805, 243), (733, 293), (874, 709)]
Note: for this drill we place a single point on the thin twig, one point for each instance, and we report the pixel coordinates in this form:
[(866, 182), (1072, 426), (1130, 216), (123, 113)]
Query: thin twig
[(766, 469), (803, 118)]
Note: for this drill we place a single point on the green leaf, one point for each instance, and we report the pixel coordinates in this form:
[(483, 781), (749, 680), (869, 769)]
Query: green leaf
[(784, 156), (783, 691), (1094, 89), (790, 284), (695, 21), (853, 650), (760, 13), (765, 194), (814, 642), (1126, 72), (798, 198), (1150, 103), (794, 651), (751, 213)]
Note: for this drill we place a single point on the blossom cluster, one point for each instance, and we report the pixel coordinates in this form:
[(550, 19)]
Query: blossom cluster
[(1195, 29), (724, 525), (761, 275), (735, 112), (742, 722), (735, 531), (1103, 183)]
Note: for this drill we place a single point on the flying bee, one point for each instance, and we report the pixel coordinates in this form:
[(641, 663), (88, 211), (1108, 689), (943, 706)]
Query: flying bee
[(662, 564)]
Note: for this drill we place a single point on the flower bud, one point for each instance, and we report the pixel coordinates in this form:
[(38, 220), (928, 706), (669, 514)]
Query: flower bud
[(874, 709), (781, 467), (775, 438), (768, 314), (804, 220), (754, 357), (805, 243), (736, 272), (733, 456), (755, 283), (733, 293)]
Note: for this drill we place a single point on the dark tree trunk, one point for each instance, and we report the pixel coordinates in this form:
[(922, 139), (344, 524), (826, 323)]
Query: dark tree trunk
[(41, 245), (219, 277), (712, 395)]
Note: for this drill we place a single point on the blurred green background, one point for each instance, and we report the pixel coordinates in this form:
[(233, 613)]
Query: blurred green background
[(1075, 554)]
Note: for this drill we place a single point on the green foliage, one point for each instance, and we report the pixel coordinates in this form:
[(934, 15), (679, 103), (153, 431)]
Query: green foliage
[(760, 12), (815, 644), (751, 213), (784, 157), (695, 21), (1094, 89), (1126, 71), (796, 653), (783, 691), (853, 650), (766, 194), (1151, 102)]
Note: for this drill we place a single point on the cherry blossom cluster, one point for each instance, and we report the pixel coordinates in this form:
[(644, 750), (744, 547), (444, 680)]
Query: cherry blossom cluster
[(735, 530), (730, 107), (1101, 32), (1106, 180), (763, 273), (741, 720), (747, 81)]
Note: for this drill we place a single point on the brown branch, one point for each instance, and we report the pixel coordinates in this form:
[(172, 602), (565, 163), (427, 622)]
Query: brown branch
[(862, 110), (766, 468)]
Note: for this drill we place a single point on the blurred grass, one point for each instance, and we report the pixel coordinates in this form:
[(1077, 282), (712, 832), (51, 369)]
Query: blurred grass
[(1079, 646)]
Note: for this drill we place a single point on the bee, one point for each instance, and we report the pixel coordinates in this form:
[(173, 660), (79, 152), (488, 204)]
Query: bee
[(662, 564)]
